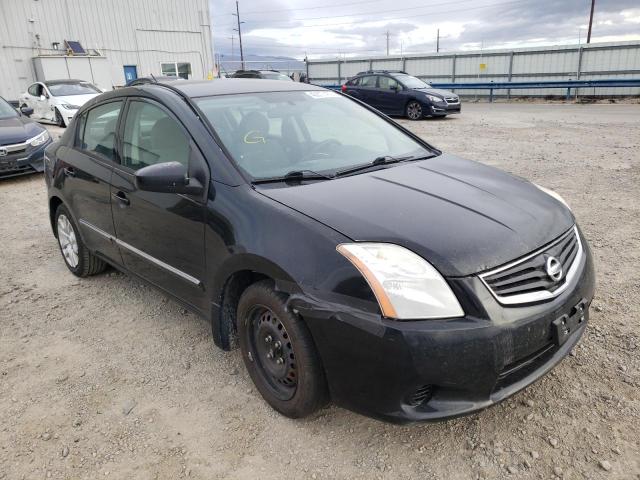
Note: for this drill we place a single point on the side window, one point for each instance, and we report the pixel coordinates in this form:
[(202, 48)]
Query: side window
[(369, 81), (387, 83), (100, 124), (152, 136), (33, 90), (354, 82)]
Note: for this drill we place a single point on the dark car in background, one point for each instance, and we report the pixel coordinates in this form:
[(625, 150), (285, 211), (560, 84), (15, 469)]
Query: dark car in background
[(351, 260), (22, 141), (264, 74), (397, 93)]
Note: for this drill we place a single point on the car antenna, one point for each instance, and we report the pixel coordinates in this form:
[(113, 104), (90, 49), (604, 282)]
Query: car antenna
[(154, 78)]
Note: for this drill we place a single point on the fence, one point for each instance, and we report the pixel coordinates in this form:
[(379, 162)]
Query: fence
[(597, 61)]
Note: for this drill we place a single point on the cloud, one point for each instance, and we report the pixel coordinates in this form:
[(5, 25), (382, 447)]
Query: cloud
[(320, 28)]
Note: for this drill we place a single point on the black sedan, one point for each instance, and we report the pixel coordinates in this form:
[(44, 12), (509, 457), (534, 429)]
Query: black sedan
[(349, 260), (22, 142), (397, 93)]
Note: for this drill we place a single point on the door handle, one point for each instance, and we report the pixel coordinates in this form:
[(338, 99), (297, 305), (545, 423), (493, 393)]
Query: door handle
[(70, 171), (121, 197)]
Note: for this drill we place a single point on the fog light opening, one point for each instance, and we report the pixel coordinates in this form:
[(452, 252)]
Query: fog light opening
[(420, 396)]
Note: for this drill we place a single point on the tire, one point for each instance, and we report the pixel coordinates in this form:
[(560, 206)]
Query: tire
[(60, 120), (78, 259), (413, 110), (295, 387)]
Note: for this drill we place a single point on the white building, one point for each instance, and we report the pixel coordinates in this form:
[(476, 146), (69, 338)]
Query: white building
[(123, 39)]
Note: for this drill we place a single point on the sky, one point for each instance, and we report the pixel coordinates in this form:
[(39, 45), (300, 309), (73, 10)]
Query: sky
[(331, 28)]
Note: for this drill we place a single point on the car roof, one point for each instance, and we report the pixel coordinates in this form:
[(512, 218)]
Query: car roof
[(230, 86)]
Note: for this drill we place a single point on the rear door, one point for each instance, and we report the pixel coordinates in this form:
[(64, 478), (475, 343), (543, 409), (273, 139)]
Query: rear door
[(367, 89), (160, 235), (86, 174)]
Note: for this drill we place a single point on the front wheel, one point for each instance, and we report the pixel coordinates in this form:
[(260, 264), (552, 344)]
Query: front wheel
[(279, 353), (79, 260), (414, 110)]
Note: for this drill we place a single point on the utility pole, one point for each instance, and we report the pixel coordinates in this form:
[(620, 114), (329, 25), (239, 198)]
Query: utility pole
[(438, 41), (237, 14), (387, 43), (593, 4)]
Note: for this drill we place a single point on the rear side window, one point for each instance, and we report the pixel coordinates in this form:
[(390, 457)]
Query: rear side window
[(369, 81), (152, 136), (354, 82), (98, 130)]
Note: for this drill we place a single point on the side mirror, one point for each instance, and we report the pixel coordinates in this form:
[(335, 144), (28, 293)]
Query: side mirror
[(169, 177), (43, 97), (26, 111)]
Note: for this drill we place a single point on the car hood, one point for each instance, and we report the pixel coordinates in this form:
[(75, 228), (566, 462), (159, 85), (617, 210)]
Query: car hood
[(460, 215), (436, 91), (77, 100), (17, 130)]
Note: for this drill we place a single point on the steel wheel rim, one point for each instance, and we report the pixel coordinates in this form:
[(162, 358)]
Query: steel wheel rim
[(270, 349), (68, 241), (414, 111)]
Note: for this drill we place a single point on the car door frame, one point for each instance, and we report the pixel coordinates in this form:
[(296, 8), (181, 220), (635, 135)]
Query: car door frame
[(201, 201)]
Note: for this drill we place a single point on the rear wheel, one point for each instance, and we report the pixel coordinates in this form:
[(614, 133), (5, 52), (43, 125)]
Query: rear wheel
[(414, 110), (77, 257), (59, 119), (279, 353)]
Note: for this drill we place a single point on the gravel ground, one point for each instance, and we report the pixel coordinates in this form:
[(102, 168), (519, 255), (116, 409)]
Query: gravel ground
[(106, 378)]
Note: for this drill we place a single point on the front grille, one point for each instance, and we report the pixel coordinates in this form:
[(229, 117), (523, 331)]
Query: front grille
[(528, 280), (452, 100), (422, 395)]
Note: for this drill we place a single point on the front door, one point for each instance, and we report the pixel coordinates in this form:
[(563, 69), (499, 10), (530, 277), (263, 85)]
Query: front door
[(160, 235), (388, 99), (130, 73), (87, 170)]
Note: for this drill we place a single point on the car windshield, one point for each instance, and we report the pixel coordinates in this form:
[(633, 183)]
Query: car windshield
[(6, 110), (411, 82), (275, 76), (272, 134), (66, 89)]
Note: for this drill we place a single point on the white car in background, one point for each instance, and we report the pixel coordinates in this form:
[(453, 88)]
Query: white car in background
[(57, 101)]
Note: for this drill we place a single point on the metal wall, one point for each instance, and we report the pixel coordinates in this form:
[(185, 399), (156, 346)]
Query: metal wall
[(571, 62), (127, 32)]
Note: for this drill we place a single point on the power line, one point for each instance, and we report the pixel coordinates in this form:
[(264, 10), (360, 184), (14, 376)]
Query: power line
[(311, 8), (267, 24)]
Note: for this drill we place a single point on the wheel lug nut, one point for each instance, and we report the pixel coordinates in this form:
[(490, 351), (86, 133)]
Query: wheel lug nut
[(277, 345), (270, 354), (279, 361), (268, 339)]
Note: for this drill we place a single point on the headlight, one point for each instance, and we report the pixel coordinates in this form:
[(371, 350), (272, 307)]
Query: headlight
[(68, 106), (435, 99), (405, 285), (39, 139), (555, 195)]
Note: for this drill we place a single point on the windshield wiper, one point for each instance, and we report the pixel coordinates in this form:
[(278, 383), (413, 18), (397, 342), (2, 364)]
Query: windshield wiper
[(296, 175), (379, 161)]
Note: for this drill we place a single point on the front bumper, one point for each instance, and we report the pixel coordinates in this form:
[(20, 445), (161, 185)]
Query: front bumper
[(452, 367), (444, 108), (24, 163)]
